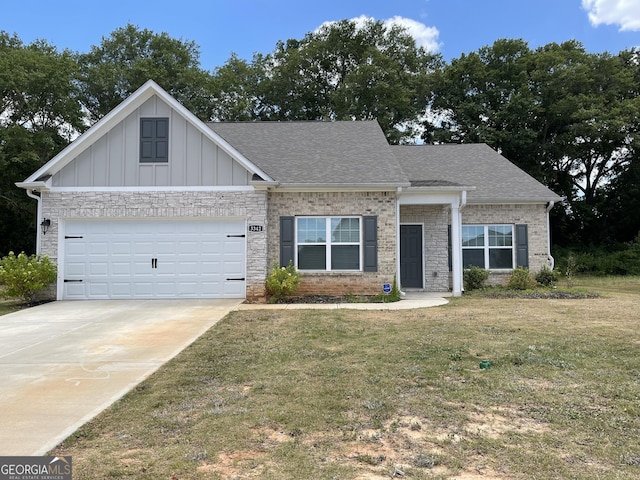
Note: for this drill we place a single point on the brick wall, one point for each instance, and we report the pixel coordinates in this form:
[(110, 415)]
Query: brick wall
[(534, 216), (250, 205), (380, 204)]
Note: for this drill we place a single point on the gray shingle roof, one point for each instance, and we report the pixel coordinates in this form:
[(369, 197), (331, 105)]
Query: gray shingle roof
[(316, 153), (495, 177), (357, 154)]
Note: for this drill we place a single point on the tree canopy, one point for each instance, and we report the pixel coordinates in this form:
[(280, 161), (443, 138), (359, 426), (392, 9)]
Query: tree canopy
[(566, 116), (39, 114), (130, 56), (345, 70)]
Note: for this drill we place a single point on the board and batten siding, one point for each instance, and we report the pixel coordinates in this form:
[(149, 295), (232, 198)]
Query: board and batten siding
[(114, 159)]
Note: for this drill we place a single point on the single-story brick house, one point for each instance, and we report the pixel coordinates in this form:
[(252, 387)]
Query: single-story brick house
[(151, 202)]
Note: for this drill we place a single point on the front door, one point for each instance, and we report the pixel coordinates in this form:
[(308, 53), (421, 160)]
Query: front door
[(411, 261)]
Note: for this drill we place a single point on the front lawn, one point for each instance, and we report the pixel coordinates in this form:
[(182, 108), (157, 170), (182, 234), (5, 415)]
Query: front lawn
[(324, 394)]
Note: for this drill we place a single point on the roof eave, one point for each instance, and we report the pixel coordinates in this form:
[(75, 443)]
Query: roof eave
[(440, 188), (342, 186), (36, 185), (530, 200)]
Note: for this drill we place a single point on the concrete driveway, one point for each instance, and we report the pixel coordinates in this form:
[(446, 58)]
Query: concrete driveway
[(62, 363)]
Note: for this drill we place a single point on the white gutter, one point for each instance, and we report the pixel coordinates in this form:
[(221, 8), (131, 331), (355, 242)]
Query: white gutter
[(552, 260), (31, 194)]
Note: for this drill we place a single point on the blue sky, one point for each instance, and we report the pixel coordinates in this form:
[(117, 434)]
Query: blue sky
[(220, 27)]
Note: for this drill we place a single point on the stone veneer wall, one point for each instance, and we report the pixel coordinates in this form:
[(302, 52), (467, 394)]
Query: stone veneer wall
[(435, 220), (251, 205), (380, 204), (535, 216)]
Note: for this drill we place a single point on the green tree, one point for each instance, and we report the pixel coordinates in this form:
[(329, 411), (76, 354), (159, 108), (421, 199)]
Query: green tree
[(236, 89), (129, 57), (348, 71), (39, 114), (566, 116), (484, 97)]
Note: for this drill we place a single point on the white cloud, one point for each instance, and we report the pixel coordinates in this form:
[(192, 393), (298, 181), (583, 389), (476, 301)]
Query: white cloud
[(424, 36), (625, 13)]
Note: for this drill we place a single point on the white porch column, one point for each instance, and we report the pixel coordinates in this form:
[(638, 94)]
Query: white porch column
[(456, 248)]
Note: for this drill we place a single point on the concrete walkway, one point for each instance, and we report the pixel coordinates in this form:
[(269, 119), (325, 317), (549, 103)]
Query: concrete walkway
[(62, 363)]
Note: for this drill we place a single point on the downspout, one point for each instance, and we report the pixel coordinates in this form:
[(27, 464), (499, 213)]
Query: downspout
[(551, 260), (36, 195), (399, 190)]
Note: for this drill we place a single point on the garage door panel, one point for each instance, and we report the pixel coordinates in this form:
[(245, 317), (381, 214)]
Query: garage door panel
[(143, 247), (120, 247), (76, 269), (75, 290), (115, 259), (165, 289), (98, 289), (121, 269), (142, 268), (76, 248), (191, 268), (98, 269)]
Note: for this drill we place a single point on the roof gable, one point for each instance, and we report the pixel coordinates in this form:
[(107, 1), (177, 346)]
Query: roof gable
[(42, 177)]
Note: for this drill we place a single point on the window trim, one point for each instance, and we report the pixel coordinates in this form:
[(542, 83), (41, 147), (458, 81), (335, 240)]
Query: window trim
[(328, 243), (487, 248)]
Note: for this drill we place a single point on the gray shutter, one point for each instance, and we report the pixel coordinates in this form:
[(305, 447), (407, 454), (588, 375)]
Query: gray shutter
[(287, 240), (522, 246), (154, 140), (370, 237)]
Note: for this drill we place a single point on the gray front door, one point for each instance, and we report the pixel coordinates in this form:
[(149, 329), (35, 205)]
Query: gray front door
[(411, 273)]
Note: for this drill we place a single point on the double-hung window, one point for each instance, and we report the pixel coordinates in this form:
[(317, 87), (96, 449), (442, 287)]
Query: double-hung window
[(488, 246), (329, 243)]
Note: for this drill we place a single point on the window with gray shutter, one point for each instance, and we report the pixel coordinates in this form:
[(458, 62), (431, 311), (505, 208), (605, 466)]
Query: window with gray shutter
[(154, 140)]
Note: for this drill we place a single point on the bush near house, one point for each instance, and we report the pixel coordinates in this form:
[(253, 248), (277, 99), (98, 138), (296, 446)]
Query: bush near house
[(282, 281), (474, 278), (547, 277), (23, 276), (521, 279)]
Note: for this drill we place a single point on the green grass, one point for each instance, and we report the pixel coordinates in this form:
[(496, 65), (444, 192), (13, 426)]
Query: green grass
[(291, 394)]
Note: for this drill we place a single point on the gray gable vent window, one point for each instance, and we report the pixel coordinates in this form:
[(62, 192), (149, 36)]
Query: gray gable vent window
[(154, 140)]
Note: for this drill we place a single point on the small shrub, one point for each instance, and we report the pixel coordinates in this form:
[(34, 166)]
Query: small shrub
[(474, 278), (570, 271), (547, 277), (282, 281), (521, 279), (23, 276)]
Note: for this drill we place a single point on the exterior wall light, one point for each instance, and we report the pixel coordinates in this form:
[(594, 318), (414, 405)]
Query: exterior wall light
[(44, 225)]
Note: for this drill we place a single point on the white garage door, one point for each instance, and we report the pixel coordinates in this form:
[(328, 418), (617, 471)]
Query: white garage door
[(154, 259)]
